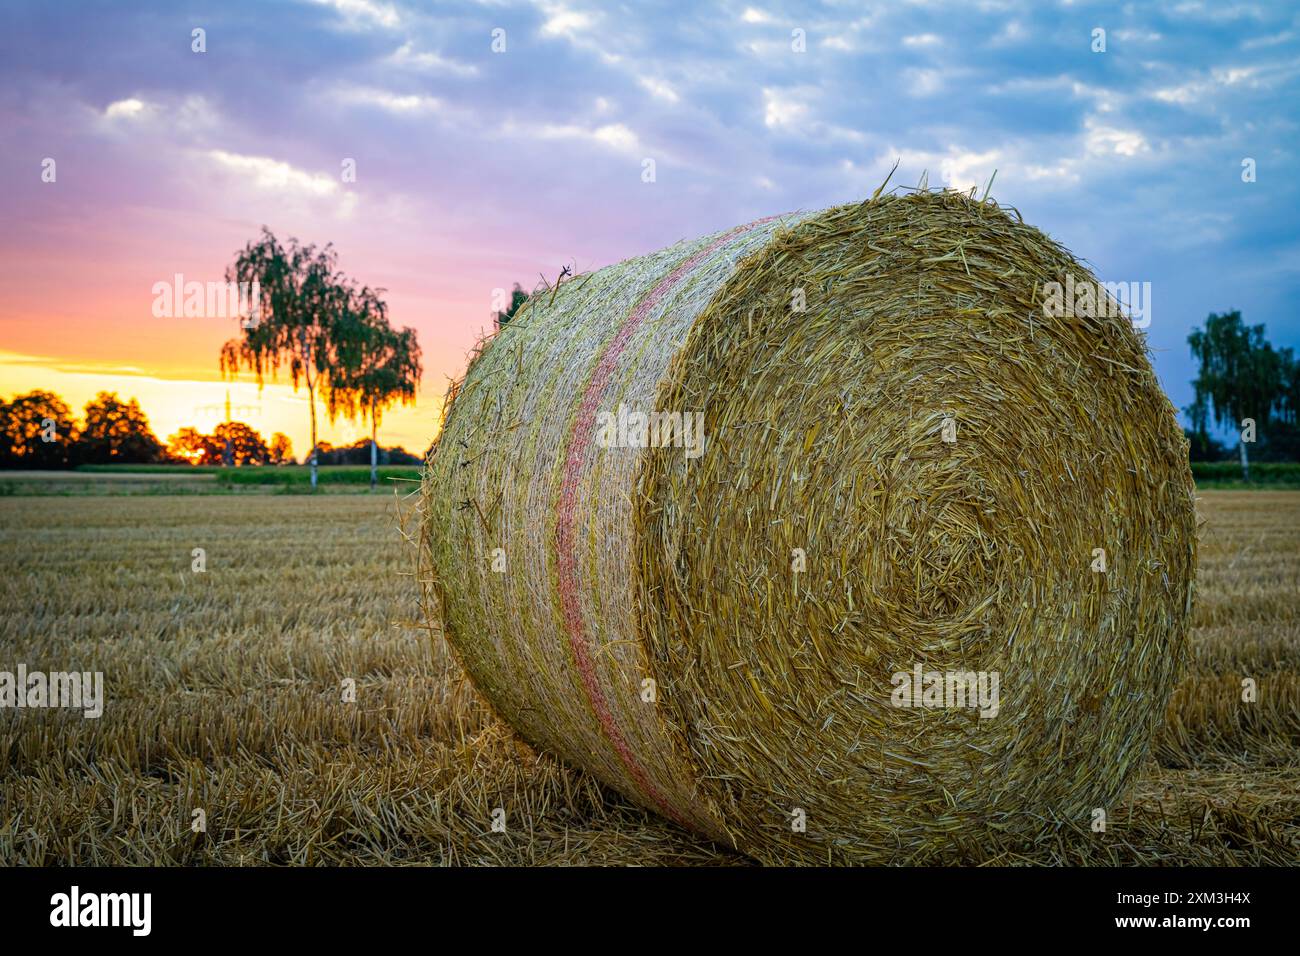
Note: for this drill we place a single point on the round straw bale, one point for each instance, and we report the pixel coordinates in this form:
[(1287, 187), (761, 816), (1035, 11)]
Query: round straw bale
[(923, 580)]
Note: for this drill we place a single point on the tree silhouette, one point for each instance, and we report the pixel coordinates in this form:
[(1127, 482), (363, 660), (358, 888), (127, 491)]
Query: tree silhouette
[(240, 444), (300, 299), (117, 431), (380, 366), (1287, 406), (1240, 377), (192, 446), (36, 431), (231, 443), (281, 449)]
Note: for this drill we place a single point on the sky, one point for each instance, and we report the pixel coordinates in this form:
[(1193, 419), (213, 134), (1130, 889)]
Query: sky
[(495, 142)]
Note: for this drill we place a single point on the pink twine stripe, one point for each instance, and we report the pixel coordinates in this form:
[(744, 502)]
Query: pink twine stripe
[(579, 443)]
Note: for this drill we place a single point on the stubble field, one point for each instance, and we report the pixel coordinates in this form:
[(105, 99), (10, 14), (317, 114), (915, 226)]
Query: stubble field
[(225, 694)]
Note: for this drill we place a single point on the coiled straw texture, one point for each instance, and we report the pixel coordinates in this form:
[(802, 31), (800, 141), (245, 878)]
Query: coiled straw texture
[(906, 467)]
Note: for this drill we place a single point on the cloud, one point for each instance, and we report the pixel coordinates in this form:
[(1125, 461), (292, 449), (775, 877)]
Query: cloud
[(583, 29), (617, 136), (124, 109), (954, 167), (1183, 95), (563, 21), (783, 108), (1138, 36), (613, 136), (1101, 140), (406, 57), (1269, 40), (1013, 32), (191, 118), (1217, 11), (923, 82), (1204, 87), (1062, 87), (273, 174), (659, 88), (364, 14), (399, 103), (792, 111)]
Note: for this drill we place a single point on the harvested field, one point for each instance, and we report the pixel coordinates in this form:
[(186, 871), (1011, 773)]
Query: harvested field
[(224, 694)]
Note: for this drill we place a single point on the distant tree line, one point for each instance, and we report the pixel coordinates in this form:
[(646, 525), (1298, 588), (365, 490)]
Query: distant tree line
[(39, 431), (358, 453), (231, 443)]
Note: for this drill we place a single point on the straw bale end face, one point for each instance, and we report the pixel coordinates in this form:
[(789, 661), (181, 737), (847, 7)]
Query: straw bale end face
[(822, 536)]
